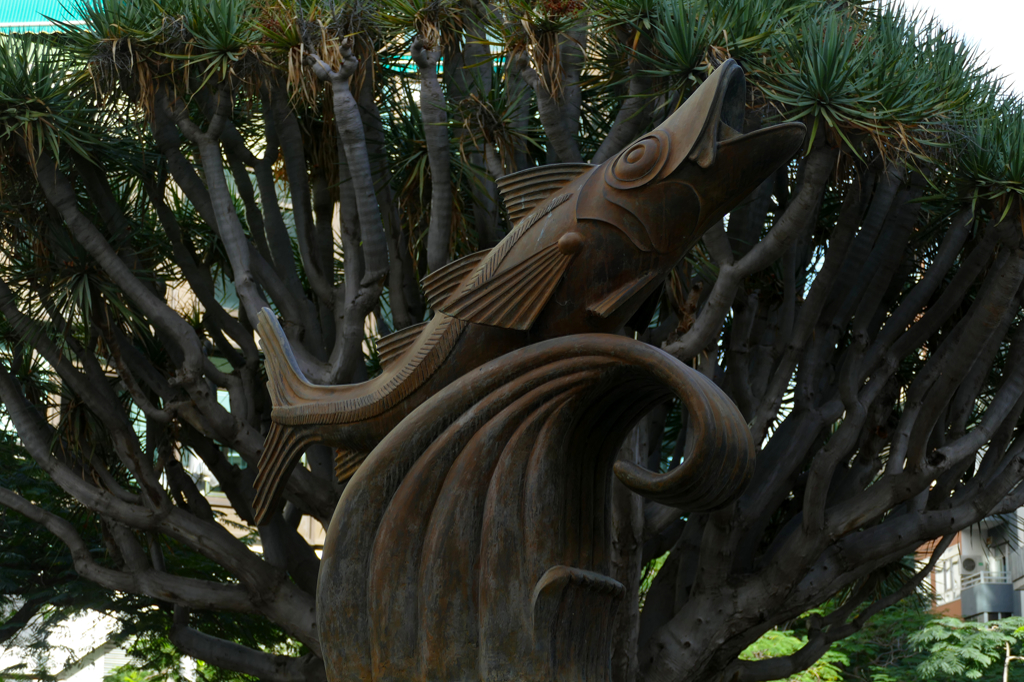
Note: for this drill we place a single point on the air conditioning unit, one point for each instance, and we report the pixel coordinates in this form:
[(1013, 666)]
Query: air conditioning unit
[(971, 564)]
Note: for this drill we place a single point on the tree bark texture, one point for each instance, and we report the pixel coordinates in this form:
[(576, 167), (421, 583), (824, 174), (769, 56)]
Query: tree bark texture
[(435, 130)]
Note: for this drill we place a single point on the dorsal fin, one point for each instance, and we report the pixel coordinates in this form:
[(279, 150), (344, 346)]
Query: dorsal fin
[(391, 346), (514, 298), (439, 285), (523, 190)]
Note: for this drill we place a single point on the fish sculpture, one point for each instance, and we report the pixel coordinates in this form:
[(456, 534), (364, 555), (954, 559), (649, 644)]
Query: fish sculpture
[(589, 246)]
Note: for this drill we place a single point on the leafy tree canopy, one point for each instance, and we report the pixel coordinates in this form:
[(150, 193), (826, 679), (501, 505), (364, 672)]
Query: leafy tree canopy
[(969, 650)]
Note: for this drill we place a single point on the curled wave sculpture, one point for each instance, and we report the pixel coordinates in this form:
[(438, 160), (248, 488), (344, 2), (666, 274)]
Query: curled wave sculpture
[(473, 542)]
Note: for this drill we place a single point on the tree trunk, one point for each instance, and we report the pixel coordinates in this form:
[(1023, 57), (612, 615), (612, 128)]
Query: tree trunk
[(433, 109)]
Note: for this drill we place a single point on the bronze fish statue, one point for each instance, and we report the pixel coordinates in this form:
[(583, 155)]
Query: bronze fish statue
[(590, 244)]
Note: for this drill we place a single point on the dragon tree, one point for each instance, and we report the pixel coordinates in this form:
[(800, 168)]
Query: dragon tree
[(168, 171)]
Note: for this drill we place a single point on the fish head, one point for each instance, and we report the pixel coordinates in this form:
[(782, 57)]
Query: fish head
[(668, 187)]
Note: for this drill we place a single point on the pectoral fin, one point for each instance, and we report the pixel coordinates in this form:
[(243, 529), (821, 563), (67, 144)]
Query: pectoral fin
[(610, 303), (645, 313), (514, 298)]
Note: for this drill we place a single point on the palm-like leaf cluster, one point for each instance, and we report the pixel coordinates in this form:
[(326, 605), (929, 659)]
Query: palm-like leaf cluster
[(876, 78)]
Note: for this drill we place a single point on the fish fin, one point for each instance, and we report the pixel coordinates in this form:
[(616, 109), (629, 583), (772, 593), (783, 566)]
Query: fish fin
[(281, 451), (285, 381), (610, 303), (641, 319), (523, 190), (514, 298), (393, 345), (439, 285), (566, 596), (346, 462)]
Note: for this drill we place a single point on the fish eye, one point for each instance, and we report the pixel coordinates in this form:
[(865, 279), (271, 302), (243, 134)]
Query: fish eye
[(640, 162)]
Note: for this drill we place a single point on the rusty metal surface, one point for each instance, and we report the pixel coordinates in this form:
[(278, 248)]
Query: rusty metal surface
[(593, 244), (473, 541)]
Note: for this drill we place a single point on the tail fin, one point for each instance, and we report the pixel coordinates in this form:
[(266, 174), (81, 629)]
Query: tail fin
[(281, 451), (285, 381), (284, 444), (346, 462)]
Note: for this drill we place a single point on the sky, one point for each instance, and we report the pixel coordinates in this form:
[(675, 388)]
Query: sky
[(994, 25)]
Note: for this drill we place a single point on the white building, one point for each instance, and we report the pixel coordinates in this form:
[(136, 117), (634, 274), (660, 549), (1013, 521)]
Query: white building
[(980, 576), (99, 662)]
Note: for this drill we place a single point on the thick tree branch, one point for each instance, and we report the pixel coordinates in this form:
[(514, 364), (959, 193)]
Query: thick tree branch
[(61, 194), (243, 659), (796, 219), (191, 592), (433, 110), (820, 640), (352, 143), (556, 128)]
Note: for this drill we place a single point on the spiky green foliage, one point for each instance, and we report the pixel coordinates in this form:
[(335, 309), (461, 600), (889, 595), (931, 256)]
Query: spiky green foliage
[(39, 104)]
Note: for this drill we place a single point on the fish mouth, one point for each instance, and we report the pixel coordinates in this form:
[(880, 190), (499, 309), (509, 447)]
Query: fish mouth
[(706, 131), (773, 145), (698, 162), (710, 120), (723, 115), (739, 161), (743, 162), (713, 116)]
